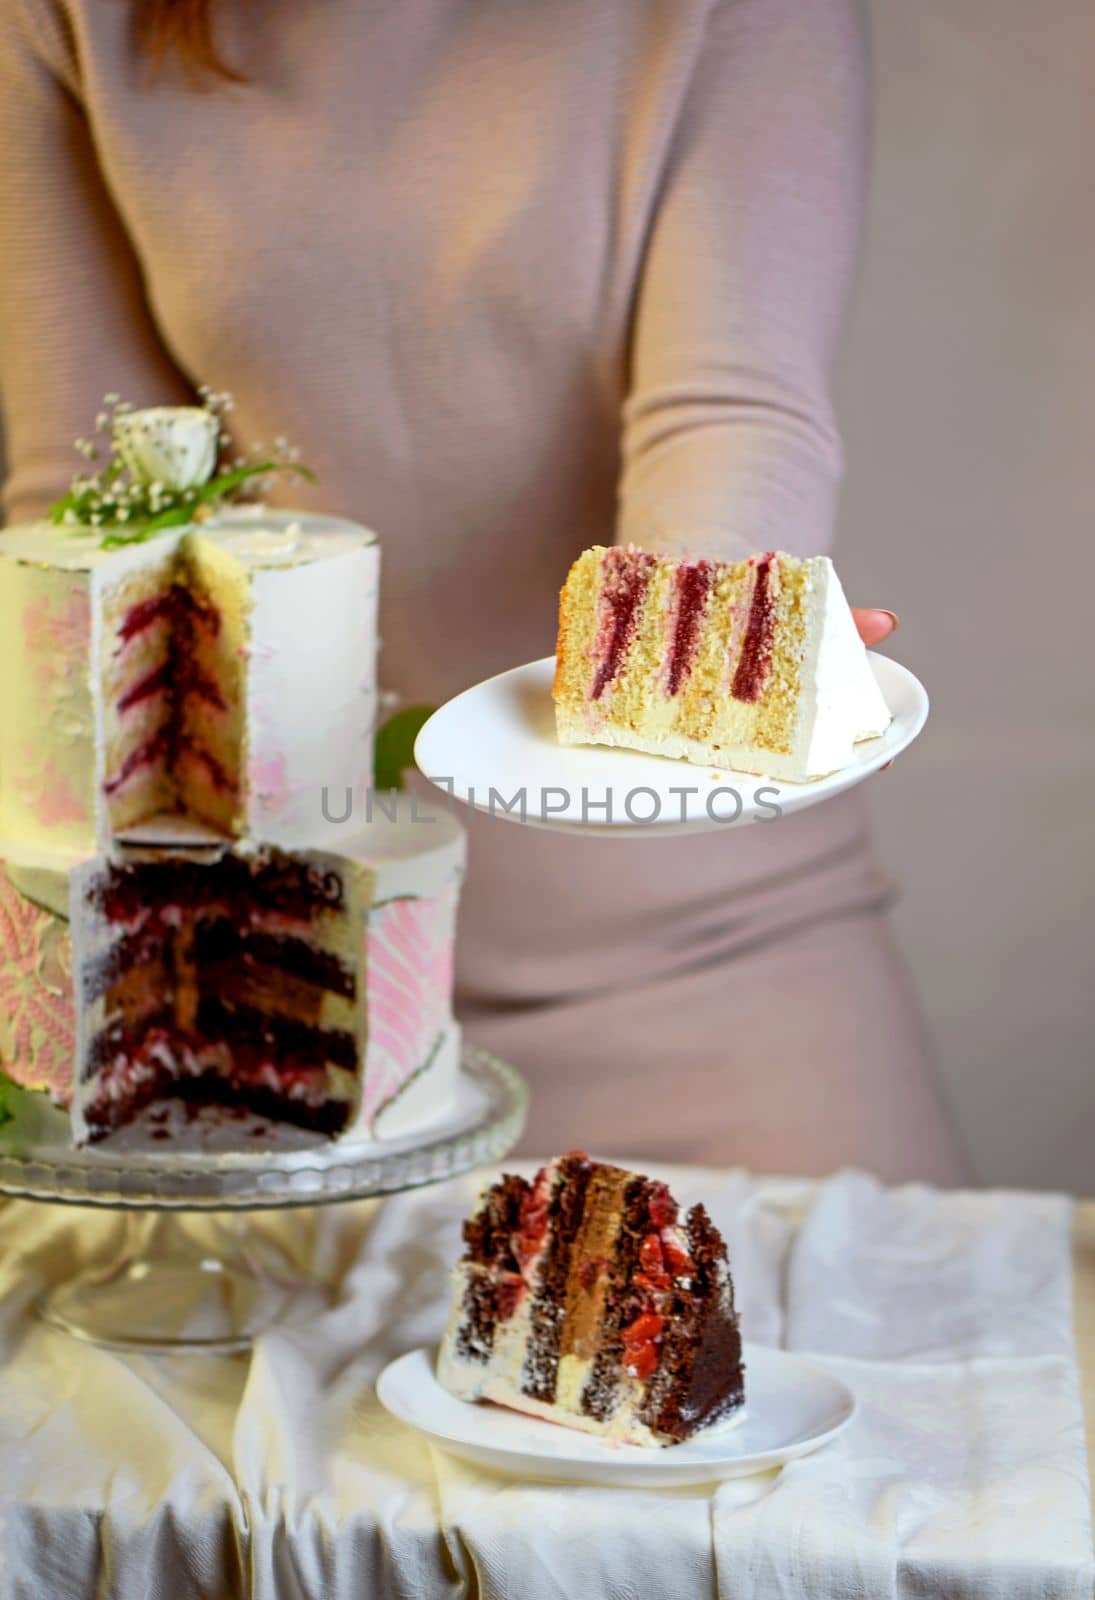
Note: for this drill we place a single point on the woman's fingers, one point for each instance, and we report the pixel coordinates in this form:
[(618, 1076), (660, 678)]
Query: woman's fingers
[(874, 625)]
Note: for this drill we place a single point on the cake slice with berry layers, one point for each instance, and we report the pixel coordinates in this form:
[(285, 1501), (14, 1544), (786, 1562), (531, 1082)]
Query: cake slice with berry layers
[(751, 665), (586, 1298)]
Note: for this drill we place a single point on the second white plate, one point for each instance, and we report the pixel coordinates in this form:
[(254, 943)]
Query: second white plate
[(494, 747), (793, 1406)]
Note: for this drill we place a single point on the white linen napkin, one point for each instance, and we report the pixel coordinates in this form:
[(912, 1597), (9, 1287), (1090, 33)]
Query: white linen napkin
[(280, 1475)]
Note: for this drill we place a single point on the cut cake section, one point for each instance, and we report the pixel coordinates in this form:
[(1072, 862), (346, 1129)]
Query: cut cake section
[(232, 978), (222, 674), (394, 936), (753, 665), (585, 1298), (172, 691)]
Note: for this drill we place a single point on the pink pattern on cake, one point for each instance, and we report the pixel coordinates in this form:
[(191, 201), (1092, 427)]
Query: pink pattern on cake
[(54, 799), (268, 780), (409, 975), (37, 1020), (58, 633)]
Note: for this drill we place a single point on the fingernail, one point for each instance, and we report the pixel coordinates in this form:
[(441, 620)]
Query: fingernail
[(893, 616)]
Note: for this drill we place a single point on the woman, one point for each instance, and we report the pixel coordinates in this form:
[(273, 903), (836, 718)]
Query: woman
[(490, 263)]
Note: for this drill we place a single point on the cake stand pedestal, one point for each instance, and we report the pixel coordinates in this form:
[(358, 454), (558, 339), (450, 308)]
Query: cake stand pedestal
[(187, 1272)]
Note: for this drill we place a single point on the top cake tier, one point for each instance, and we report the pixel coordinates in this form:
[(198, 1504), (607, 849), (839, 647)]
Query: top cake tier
[(220, 674)]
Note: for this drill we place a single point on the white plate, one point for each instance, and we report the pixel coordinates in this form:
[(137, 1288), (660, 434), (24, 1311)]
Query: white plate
[(494, 747), (793, 1406)]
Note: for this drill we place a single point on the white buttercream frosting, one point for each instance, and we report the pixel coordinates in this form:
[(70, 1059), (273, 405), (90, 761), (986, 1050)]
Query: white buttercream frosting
[(840, 701)]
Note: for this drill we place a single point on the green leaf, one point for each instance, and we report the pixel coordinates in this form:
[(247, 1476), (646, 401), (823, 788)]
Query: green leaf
[(138, 532), (225, 482), (179, 505), (58, 509), (6, 1113), (394, 749)]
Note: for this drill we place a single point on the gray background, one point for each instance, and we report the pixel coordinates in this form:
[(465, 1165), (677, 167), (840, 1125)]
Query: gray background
[(966, 398)]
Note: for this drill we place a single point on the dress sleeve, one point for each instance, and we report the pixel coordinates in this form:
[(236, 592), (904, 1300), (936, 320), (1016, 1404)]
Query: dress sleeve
[(729, 442), (73, 318)]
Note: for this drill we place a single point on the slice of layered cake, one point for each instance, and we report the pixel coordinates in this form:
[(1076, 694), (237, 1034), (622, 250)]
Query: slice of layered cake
[(752, 665), (586, 1298), (231, 978)]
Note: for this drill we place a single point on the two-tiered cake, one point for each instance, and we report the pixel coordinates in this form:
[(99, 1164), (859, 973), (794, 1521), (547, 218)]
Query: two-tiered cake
[(201, 898)]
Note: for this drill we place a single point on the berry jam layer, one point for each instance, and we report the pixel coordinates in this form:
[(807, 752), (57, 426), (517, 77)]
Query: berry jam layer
[(242, 1032), (171, 683), (270, 881), (220, 968), (291, 1094), (176, 605), (625, 576), (688, 608)]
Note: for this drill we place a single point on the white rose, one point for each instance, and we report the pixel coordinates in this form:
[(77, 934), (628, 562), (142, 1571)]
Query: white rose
[(175, 446)]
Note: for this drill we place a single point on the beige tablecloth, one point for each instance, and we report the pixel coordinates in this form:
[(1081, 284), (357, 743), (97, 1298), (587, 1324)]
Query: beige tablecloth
[(1083, 1259), (278, 1475)]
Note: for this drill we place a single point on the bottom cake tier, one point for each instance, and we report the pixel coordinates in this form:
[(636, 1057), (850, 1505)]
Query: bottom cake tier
[(301, 987)]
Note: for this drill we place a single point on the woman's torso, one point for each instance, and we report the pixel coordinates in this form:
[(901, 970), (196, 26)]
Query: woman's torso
[(414, 243)]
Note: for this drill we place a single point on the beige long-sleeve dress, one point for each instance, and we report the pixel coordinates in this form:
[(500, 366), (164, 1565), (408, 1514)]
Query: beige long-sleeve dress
[(517, 276)]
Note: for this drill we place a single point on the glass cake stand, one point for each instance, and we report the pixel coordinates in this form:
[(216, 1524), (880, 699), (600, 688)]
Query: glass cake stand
[(176, 1282)]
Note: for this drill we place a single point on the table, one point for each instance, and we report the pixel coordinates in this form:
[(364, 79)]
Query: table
[(278, 1475)]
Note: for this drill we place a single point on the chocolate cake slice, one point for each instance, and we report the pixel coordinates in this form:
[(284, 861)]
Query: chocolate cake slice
[(586, 1298)]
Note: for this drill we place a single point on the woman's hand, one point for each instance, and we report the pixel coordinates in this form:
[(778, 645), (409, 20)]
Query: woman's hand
[(874, 625)]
